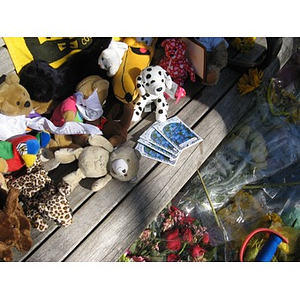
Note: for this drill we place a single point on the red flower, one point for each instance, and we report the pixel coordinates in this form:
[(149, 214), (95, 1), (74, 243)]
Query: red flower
[(187, 235), (173, 240), (189, 220), (176, 214), (173, 257), (196, 251), (205, 238)]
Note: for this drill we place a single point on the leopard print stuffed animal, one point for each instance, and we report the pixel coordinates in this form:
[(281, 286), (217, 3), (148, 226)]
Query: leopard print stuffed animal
[(43, 199)]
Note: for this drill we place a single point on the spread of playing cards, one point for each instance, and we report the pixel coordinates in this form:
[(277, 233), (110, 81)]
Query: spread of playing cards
[(165, 141)]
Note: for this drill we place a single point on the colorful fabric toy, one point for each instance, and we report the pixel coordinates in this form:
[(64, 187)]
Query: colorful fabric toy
[(84, 105), (17, 152), (175, 62)]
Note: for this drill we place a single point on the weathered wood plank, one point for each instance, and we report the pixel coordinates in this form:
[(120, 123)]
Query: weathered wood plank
[(6, 64)]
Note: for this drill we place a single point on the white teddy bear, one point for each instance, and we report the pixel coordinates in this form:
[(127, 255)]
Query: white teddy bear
[(151, 85), (110, 58)]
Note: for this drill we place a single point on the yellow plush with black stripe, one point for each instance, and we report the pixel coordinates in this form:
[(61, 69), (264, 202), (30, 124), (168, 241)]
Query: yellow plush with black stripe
[(138, 56)]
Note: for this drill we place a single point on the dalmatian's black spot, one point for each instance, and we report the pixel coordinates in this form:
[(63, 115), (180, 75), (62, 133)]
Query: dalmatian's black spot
[(163, 105), (137, 113), (149, 69), (139, 108), (144, 97), (147, 84), (139, 103), (160, 111), (162, 80), (152, 81), (138, 85), (158, 100), (147, 95), (159, 72), (148, 76), (139, 78)]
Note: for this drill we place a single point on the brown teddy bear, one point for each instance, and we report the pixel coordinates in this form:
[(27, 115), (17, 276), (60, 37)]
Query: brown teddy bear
[(14, 98), (100, 161), (14, 225)]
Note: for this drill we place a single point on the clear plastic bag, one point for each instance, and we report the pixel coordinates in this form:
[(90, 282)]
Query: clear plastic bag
[(260, 146)]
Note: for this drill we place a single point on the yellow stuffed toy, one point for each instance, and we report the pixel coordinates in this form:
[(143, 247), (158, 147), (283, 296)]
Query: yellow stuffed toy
[(138, 56)]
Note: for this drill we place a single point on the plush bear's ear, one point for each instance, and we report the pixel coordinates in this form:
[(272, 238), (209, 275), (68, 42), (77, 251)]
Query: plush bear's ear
[(12, 201), (12, 78), (164, 43), (182, 45)]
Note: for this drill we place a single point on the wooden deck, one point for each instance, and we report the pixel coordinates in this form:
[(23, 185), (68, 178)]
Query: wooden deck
[(107, 222)]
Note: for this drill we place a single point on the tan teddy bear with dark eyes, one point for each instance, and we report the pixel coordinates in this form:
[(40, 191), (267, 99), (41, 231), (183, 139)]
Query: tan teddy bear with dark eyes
[(14, 98)]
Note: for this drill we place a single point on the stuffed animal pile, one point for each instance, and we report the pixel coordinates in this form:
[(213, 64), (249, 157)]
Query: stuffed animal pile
[(78, 110)]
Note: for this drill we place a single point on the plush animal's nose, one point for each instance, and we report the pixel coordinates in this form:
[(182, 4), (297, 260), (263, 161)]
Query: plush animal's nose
[(128, 97), (159, 89), (27, 104)]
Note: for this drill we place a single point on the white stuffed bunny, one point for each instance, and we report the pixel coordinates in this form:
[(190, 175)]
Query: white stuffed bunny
[(110, 58)]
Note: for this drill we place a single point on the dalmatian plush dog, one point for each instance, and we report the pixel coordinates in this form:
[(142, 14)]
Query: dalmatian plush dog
[(175, 61), (151, 85)]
